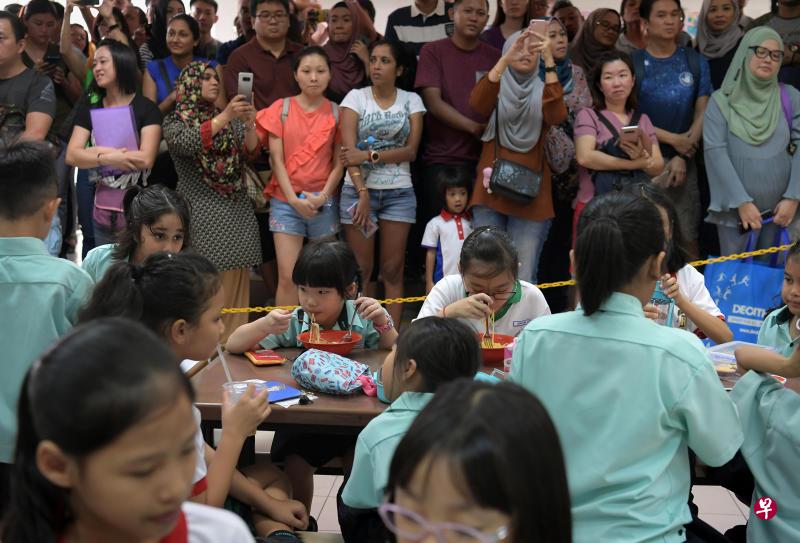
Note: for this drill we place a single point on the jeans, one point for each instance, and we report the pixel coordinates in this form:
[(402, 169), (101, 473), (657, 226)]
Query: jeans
[(528, 237), (85, 200)]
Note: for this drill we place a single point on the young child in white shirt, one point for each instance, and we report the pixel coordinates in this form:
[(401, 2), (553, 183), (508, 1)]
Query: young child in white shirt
[(445, 233)]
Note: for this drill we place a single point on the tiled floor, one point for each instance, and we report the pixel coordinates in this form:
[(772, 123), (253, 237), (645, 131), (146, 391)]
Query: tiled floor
[(719, 507), (323, 505)]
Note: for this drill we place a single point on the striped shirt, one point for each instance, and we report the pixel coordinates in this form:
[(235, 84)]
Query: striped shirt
[(415, 29)]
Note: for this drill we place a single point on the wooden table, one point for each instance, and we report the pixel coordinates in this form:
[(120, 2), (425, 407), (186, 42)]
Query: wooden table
[(341, 414)]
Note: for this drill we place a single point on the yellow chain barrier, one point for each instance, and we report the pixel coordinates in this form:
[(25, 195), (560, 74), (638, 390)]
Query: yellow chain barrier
[(556, 284)]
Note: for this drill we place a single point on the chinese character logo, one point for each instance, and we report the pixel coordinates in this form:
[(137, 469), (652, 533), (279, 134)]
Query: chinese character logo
[(765, 508)]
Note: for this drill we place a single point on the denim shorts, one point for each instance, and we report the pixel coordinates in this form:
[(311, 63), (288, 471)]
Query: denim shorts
[(384, 205), (284, 219)]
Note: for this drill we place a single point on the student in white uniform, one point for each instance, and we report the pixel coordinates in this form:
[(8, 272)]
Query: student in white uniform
[(487, 283), (628, 397), (105, 450), (695, 310)]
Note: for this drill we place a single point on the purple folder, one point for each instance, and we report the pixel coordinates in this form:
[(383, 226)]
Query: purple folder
[(114, 127)]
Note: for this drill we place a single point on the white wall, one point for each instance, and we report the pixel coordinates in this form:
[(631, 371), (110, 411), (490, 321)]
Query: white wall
[(224, 30)]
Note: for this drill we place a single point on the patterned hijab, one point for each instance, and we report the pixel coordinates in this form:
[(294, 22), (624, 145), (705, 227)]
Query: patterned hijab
[(586, 50), (220, 165), (717, 44), (750, 105)]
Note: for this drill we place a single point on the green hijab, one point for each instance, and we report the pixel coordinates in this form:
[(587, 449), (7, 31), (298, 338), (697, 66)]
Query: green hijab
[(752, 106)]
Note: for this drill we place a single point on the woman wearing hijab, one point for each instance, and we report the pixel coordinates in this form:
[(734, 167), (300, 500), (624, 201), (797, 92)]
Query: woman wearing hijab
[(350, 33), (750, 157), (718, 34), (527, 107), (598, 36), (560, 153), (209, 147)]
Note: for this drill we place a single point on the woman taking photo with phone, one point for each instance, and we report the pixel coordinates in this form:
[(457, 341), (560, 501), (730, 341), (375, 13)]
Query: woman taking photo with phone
[(520, 107), (750, 140), (209, 148)]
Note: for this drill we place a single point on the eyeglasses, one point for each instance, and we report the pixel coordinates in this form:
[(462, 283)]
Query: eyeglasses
[(500, 296), (763, 52), (616, 29), (266, 16), (410, 525)]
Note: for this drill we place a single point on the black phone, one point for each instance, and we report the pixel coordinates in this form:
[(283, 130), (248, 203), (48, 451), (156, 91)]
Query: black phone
[(52, 58), (764, 216), (88, 2)]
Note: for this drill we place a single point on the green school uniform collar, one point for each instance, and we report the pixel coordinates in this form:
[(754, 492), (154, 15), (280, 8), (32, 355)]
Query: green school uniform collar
[(516, 297)]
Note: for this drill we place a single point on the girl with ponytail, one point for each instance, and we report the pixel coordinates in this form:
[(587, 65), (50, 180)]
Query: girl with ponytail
[(105, 449), (628, 397), (180, 298)]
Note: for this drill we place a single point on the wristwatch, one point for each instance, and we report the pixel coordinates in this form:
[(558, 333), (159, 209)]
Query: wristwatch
[(386, 327), (374, 157), (550, 69)]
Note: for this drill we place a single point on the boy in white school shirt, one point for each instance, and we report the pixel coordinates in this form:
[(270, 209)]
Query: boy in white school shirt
[(445, 233)]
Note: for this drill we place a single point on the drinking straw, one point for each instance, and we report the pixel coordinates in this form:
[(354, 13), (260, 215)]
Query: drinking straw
[(224, 363)]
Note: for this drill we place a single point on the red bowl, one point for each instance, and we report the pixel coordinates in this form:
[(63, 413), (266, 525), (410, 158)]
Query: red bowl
[(337, 346), (494, 357)]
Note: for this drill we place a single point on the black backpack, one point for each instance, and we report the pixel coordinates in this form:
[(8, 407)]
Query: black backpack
[(608, 180)]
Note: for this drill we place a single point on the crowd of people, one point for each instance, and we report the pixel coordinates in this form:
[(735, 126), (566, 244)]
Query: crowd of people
[(333, 159)]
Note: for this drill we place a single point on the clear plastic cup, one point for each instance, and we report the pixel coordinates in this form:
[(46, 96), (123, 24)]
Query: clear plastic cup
[(237, 389)]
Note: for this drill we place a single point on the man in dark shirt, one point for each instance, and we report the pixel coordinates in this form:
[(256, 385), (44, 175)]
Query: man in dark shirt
[(205, 13), (246, 23), (422, 22), (268, 56)]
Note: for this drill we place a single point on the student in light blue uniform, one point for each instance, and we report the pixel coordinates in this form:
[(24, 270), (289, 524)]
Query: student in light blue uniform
[(430, 352), (328, 278), (629, 397), (39, 294), (157, 219), (780, 328)]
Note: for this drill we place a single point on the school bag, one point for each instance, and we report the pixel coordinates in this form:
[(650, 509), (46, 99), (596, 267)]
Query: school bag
[(608, 180), (330, 373)]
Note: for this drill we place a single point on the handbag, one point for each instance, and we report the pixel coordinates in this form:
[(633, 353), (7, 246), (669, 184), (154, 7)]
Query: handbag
[(509, 179), (254, 185), (611, 180), (108, 209)]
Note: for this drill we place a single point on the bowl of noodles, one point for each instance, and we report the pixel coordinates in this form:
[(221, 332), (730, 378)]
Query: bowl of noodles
[(331, 341), (493, 356)]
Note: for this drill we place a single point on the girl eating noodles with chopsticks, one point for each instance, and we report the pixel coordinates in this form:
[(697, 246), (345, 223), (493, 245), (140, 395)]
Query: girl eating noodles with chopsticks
[(487, 294)]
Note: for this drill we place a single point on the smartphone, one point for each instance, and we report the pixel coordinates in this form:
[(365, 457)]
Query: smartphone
[(539, 26), (52, 58), (630, 134), (764, 216), (371, 227), (246, 86), (88, 2)]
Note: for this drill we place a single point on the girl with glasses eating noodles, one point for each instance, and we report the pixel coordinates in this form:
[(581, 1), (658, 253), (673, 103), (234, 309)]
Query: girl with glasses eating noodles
[(487, 285)]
